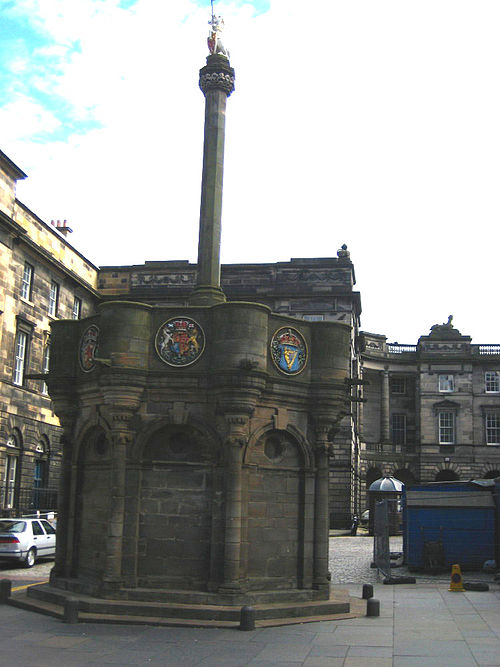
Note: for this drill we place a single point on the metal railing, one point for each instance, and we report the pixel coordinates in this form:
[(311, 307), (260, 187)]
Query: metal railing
[(24, 500), (487, 349), (396, 348)]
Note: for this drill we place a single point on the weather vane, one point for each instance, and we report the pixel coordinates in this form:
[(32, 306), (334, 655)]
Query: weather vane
[(214, 41)]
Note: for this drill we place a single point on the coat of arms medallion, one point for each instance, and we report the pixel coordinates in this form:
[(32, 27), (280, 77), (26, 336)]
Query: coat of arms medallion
[(180, 341), (289, 351), (88, 348)]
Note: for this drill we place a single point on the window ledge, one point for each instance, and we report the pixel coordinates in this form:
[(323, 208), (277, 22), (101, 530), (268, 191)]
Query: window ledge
[(27, 302)]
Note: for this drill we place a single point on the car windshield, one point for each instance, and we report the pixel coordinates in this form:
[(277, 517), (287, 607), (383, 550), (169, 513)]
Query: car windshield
[(12, 526)]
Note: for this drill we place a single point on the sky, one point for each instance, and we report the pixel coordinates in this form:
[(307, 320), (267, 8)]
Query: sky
[(373, 123)]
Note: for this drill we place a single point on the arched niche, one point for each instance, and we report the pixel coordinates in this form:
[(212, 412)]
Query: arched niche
[(446, 475), (405, 475), (372, 474), (175, 508), (92, 504), (275, 532)]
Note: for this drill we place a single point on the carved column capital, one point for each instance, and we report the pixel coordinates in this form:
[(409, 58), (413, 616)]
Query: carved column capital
[(322, 434), (236, 428), (217, 75)]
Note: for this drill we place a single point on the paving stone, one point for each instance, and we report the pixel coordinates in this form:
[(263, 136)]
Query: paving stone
[(368, 662), (370, 651), (486, 651), (323, 662), (434, 661), (376, 636), (328, 650), (425, 647)]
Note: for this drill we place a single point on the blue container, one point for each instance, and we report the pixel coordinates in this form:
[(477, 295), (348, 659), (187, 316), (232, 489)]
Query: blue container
[(455, 521)]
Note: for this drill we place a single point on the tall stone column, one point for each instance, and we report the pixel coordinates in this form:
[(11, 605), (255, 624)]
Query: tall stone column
[(217, 83), (385, 424), (321, 527)]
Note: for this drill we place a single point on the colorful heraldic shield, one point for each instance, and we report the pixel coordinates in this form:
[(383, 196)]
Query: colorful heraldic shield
[(88, 348), (180, 341), (289, 351)]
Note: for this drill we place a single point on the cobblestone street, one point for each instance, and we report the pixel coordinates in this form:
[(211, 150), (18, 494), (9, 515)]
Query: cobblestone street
[(350, 558)]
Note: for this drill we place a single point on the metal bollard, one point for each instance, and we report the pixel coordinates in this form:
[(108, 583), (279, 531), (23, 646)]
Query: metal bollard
[(5, 590), (367, 591), (71, 610), (373, 607), (247, 618)]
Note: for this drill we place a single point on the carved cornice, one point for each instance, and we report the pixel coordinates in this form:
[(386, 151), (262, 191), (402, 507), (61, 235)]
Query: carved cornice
[(217, 75), (217, 81)]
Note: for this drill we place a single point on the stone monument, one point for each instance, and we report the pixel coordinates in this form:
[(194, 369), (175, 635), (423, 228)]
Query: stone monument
[(195, 467)]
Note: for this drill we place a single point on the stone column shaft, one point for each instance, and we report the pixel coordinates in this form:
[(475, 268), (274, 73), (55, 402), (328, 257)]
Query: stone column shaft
[(62, 564), (217, 83), (321, 524), (211, 189), (385, 423), (232, 543), (114, 537)]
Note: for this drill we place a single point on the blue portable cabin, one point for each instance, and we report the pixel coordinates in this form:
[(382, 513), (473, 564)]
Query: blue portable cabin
[(455, 521)]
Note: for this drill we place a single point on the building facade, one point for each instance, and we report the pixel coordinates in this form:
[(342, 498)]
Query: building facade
[(42, 279), (431, 410)]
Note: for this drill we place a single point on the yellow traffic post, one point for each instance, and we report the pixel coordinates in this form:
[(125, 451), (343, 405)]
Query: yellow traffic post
[(456, 583)]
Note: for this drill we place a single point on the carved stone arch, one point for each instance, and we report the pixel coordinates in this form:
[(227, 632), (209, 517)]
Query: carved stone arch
[(291, 432), (307, 449), (43, 441), (446, 473), (491, 473), (372, 474), (203, 434), (17, 430), (85, 428), (41, 434), (405, 475), (94, 443)]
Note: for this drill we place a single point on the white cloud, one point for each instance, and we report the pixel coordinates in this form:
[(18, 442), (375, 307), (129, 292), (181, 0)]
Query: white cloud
[(23, 117), (374, 124)]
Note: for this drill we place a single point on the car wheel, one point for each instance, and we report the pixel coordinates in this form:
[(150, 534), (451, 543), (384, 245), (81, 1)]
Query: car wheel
[(29, 561)]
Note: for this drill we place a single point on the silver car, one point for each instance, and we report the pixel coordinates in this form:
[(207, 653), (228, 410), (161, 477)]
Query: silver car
[(25, 540)]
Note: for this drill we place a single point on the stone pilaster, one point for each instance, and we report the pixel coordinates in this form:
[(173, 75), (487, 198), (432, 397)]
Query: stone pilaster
[(121, 439), (217, 83), (385, 432), (321, 527), (121, 405), (66, 412), (237, 436)]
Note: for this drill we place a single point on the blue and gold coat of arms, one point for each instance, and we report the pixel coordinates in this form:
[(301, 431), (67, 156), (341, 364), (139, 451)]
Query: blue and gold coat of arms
[(289, 351)]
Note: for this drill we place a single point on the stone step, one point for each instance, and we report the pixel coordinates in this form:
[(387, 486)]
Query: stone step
[(48, 600), (23, 601)]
